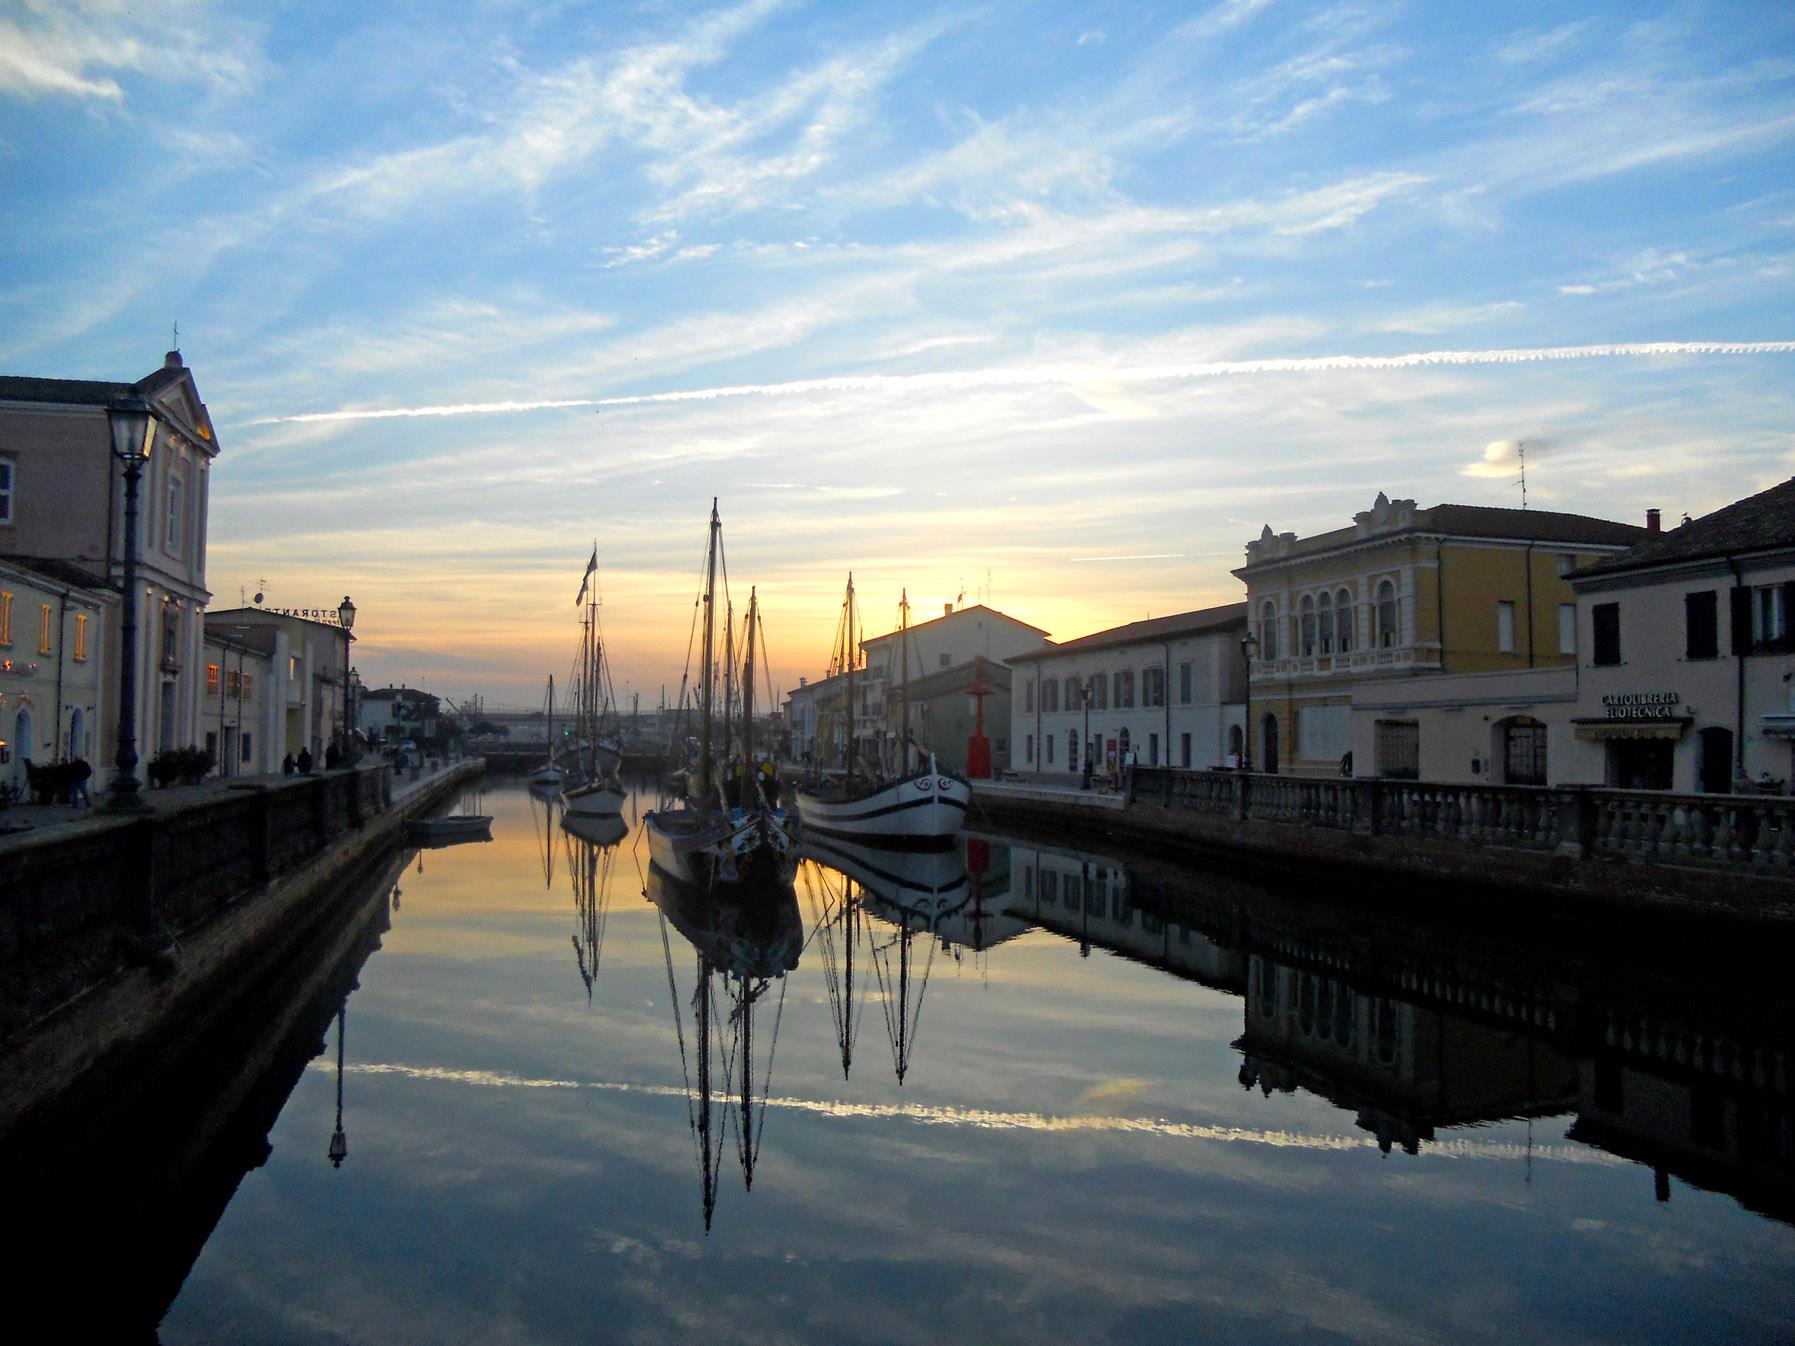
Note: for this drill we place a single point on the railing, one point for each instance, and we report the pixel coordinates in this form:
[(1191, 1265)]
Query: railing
[(1748, 832)]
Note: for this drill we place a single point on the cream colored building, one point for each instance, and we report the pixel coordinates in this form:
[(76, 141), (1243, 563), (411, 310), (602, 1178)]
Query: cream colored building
[(1404, 593), (308, 674), (62, 499), (53, 671), (1687, 654), (241, 716)]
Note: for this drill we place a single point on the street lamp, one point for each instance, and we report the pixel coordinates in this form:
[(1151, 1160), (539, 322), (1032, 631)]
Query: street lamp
[(346, 619), (1249, 646), (129, 419)]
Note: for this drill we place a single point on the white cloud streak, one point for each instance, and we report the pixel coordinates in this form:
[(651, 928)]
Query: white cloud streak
[(961, 380)]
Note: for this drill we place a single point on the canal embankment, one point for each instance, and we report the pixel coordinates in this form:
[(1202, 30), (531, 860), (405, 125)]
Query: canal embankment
[(1713, 858), (121, 935)]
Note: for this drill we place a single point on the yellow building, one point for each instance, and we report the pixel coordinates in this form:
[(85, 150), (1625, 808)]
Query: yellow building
[(1403, 592)]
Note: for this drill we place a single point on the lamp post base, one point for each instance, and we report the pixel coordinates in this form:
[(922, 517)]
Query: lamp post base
[(125, 795)]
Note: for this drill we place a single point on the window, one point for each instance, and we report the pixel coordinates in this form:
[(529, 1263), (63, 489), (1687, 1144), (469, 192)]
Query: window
[(1152, 749), (944, 659), (1268, 630), (1050, 696), (1343, 622), (43, 628), (5, 619), (1153, 687), (246, 744), (1184, 751), (1770, 616), (81, 637), (1125, 689), (1567, 628), (1324, 733), (1074, 692), (1566, 564), (6, 490), (1398, 746), (249, 682), (293, 668), (211, 679), (1324, 620), (1604, 632), (1028, 700), (1701, 625), (175, 534), (1098, 686), (171, 633), (1306, 626), (233, 682), (1184, 684), (1388, 633), (1049, 741), (1505, 627), (1029, 753)]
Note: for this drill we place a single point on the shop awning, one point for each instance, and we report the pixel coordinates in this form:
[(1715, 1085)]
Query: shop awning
[(1609, 730)]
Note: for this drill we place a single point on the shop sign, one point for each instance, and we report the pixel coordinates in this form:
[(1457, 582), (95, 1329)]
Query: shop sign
[(1642, 706)]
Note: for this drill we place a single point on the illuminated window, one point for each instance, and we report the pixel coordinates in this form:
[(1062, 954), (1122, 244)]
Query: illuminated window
[(43, 628), (293, 668), (5, 618), (249, 683), (80, 637), (6, 479), (211, 679)]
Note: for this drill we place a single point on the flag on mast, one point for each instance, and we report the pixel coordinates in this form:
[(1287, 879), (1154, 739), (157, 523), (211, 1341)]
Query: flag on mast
[(586, 579)]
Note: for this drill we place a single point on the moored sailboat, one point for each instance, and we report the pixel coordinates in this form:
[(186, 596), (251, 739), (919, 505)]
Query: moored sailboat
[(597, 792), (712, 838), (550, 772), (907, 807)]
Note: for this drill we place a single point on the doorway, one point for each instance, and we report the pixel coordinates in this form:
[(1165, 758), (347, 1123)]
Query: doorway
[(1641, 763), (1714, 775), (1268, 739), (1523, 747)]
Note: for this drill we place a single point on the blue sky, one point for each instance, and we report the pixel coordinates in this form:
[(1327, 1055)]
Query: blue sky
[(1024, 263)]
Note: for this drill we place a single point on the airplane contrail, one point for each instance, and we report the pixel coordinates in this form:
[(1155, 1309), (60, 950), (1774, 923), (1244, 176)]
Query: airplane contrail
[(1064, 374)]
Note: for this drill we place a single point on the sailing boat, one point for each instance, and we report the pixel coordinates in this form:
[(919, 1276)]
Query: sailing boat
[(591, 843), (550, 772), (597, 792), (711, 838), (921, 809), (742, 949)]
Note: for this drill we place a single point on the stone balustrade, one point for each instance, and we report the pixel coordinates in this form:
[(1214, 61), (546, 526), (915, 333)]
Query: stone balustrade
[(1753, 833)]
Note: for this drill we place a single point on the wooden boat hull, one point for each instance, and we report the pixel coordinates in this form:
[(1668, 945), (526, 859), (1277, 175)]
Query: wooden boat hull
[(455, 827), (595, 799), (924, 810), (702, 846), (601, 831)]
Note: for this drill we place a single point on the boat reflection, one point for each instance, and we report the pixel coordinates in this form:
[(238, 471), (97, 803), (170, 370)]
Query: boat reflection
[(745, 938), (591, 842)]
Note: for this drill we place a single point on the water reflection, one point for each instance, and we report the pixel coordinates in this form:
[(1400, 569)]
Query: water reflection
[(591, 842), (746, 937)]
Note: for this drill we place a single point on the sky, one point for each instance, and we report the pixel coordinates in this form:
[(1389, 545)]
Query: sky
[(1049, 304)]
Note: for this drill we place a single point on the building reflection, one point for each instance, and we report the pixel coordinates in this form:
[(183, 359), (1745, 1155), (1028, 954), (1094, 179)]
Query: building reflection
[(1416, 1028), (745, 938)]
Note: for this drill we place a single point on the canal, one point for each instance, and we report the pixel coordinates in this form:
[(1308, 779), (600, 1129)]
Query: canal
[(1019, 1093)]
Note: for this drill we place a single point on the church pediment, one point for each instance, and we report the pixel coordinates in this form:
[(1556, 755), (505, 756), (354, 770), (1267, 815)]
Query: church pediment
[(172, 392)]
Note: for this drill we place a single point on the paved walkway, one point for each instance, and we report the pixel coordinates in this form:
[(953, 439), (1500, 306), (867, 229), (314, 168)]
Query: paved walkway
[(35, 819)]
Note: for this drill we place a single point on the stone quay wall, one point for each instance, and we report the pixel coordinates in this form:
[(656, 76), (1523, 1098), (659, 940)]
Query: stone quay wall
[(1713, 856), (116, 931)]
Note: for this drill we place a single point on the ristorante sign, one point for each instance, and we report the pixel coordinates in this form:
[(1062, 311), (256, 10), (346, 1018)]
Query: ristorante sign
[(1642, 706), (325, 615)]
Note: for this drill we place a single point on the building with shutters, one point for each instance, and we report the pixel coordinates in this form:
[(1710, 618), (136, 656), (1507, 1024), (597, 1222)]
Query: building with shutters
[(1167, 689), (53, 666), (1406, 595), (1687, 664)]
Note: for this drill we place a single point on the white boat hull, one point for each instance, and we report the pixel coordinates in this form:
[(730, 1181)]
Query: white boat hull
[(927, 809), (600, 799)]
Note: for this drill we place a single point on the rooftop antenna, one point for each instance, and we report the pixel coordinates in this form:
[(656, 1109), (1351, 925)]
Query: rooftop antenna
[(1521, 453)]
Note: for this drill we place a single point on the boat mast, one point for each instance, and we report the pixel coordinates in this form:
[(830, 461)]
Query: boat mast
[(748, 697), (551, 719), (728, 686), (904, 683), (710, 636), (849, 651)]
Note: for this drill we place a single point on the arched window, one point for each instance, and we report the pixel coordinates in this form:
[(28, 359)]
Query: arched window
[(1268, 630), (1387, 632), (1306, 625), (1324, 622), (1343, 622)]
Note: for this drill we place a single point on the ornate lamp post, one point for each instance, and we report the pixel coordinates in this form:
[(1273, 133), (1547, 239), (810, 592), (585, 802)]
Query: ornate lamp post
[(1249, 646), (346, 619), (129, 419), (339, 1142)]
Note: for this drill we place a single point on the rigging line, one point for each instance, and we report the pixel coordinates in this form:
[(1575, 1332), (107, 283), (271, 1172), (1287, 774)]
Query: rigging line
[(766, 1082), (679, 1028)]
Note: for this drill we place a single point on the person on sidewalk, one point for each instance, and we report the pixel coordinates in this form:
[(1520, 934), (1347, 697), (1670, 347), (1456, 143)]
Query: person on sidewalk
[(287, 765), (305, 761), (333, 756)]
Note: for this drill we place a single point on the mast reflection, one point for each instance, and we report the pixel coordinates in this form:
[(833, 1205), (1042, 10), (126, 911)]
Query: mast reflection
[(591, 845), (745, 938)]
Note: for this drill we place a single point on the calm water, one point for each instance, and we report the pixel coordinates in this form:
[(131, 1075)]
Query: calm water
[(1055, 1098)]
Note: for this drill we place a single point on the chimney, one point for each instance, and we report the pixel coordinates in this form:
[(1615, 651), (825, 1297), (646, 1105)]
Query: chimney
[(172, 360), (947, 609), (1652, 523)]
